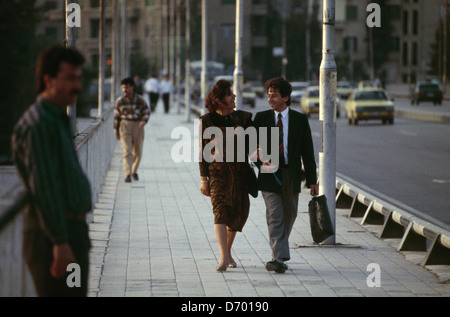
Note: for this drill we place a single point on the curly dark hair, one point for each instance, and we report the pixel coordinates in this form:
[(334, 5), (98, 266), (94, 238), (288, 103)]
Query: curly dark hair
[(221, 89), (280, 84)]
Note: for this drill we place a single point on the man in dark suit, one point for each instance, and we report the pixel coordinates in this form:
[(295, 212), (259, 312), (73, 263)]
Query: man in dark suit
[(280, 180)]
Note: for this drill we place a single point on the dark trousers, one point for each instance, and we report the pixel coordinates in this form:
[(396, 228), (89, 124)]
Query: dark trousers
[(166, 99), (153, 96), (38, 253)]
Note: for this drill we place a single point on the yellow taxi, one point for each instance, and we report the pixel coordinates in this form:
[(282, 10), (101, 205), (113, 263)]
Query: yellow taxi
[(310, 100), (369, 104)]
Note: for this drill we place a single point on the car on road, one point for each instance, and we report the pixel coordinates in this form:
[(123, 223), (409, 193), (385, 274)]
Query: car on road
[(427, 91), (369, 104), (310, 100), (298, 90), (248, 95), (344, 89)]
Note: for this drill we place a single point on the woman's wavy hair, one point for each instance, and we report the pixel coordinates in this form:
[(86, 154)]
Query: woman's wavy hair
[(219, 91)]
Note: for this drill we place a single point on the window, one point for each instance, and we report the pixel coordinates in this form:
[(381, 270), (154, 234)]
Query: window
[(415, 22), (351, 44), (95, 24), (351, 13), (227, 31), (405, 22)]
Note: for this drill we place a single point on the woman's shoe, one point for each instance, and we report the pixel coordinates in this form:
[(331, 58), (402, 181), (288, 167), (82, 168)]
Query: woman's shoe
[(222, 268), (232, 265)]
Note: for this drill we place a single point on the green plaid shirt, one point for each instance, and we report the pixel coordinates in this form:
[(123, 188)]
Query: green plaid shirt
[(46, 159)]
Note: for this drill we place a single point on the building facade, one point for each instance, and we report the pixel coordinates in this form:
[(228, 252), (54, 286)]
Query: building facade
[(412, 26)]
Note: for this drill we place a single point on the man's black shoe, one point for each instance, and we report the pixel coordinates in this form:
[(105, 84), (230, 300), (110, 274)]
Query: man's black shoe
[(135, 177), (276, 266), (128, 179)]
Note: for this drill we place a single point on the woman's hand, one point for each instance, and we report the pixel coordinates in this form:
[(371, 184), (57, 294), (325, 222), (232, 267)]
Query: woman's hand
[(204, 186)]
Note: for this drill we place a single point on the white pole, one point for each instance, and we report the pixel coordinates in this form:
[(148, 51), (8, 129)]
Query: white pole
[(70, 42), (178, 55), (187, 80), (204, 73), (238, 73), (101, 59), (327, 100)]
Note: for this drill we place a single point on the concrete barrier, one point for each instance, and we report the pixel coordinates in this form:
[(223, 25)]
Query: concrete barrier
[(414, 234), (95, 146)]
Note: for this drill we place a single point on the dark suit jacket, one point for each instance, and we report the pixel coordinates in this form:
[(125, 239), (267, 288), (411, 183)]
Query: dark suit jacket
[(300, 149)]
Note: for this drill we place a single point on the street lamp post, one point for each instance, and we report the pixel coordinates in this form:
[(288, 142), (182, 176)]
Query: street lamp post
[(204, 73), (187, 79), (70, 42), (238, 73), (327, 100)]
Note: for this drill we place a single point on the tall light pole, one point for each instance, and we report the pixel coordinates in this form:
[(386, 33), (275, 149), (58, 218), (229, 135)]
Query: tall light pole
[(178, 55), (187, 79), (238, 73), (70, 42), (327, 100), (204, 73), (101, 59)]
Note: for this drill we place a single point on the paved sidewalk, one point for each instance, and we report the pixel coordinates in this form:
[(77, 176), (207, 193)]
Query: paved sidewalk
[(155, 237)]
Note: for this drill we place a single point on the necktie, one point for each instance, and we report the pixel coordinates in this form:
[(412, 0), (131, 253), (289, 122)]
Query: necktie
[(280, 140)]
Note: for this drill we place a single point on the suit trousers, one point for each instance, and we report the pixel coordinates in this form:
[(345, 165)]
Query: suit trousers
[(281, 212), (132, 138)]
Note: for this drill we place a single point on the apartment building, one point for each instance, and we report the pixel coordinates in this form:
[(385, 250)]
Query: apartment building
[(412, 24)]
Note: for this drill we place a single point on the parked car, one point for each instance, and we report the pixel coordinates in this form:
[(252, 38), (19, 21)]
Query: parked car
[(298, 90), (310, 100), (427, 91), (369, 104), (248, 95)]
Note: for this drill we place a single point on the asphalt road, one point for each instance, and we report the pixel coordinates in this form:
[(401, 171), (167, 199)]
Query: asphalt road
[(405, 164)]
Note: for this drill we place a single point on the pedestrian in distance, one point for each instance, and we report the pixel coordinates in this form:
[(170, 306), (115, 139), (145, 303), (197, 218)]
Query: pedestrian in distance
[(226, 182), (55, 231), (166, 89), (151, 87), (139, 89), (131, 113), (280, 189)]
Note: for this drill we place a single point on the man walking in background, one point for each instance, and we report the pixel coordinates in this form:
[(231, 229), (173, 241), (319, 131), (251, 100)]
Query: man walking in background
[(131, 113), (151, 87)]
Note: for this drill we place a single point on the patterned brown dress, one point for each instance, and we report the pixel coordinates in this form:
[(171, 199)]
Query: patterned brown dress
[(228, 181)]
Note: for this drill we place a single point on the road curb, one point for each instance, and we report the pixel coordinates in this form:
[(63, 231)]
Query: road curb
[(412, 232)]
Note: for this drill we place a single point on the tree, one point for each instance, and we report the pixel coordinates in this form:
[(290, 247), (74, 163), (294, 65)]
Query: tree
[(20, 47)]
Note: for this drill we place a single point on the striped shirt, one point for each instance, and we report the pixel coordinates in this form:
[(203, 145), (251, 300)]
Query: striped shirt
[(134, 109), (47, 162)]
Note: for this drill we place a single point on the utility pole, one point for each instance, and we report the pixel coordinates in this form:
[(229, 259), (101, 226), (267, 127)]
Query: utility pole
[(178, 55), (187, 80), (70, 42), (444, 59), (204, 74), (101, 59), (327, 111), (238, 73)]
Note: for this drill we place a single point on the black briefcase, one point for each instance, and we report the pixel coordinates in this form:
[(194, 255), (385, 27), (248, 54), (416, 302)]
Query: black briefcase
[(319, 218)]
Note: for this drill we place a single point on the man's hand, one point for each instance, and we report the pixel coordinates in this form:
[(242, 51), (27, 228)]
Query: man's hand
[(62, 257), (314, 190), (117, 135), (141, 124)]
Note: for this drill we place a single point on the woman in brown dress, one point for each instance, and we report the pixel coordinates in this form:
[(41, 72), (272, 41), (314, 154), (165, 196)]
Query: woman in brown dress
[(224, 180)]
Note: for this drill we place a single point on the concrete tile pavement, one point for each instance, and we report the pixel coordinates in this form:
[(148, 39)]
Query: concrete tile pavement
[(155, 237)]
